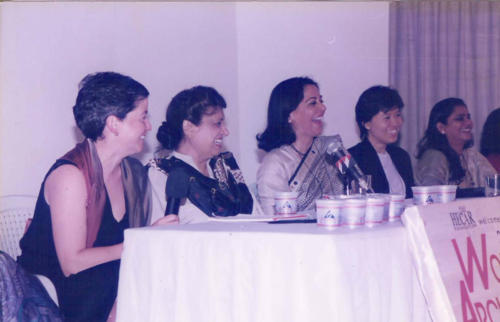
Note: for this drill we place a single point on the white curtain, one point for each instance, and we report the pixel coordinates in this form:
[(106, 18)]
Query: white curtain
[(440, 49)]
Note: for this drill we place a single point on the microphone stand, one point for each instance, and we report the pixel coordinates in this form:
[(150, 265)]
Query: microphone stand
[(345, 182), (345, 178)]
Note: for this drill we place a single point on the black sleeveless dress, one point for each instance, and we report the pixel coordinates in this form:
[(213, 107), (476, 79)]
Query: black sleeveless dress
[(90, 294)]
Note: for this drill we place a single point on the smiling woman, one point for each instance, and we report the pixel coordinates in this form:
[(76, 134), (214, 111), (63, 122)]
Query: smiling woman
[(90, 196), (191, 177), (444, 153), (378, 114), (296, 161)]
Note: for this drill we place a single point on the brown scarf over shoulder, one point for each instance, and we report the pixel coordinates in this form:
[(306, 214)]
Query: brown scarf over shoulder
[(135, 183)]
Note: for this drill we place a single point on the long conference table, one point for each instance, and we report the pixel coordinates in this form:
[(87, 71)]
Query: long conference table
[(258, 271)]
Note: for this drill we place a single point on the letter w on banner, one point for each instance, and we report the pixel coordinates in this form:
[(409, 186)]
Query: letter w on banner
[(456, 252)]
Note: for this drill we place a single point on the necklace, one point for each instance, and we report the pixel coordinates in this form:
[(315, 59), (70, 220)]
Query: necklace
[(298, 152)]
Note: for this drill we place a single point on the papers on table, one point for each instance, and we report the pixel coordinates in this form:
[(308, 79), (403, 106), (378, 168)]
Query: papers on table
[(261, 218)]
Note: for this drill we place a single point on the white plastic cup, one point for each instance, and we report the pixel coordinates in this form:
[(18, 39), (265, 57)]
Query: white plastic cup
[(425, 195), (447, 193), (396, 206), (352, 214), (376, 209), (328, 212), (285, 203)]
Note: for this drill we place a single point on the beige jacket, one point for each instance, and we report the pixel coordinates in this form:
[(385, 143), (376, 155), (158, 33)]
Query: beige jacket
[(432, 169)]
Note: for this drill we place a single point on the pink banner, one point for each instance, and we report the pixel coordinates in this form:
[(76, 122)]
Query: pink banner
[(456, 247)]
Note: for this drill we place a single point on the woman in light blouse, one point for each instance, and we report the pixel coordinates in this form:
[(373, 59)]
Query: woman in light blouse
[(445, 154), (296, 150)]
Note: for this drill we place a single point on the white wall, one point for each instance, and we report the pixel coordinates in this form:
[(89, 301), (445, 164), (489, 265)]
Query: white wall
[(241, 49), (343, 46)]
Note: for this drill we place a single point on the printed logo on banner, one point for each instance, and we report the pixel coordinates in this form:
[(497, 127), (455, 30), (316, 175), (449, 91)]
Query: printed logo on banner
[(462, 219)]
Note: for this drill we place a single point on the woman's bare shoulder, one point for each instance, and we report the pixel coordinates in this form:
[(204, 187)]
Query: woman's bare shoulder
[(67, 181)]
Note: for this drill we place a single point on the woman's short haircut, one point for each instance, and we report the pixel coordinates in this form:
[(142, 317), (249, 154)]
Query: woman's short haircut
[(104, 94), (490, 138), (285, 98), (190, 104), (373, 100)]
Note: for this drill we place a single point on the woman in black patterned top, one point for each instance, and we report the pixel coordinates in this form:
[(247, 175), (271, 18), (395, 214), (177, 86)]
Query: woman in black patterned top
[(192, 177)]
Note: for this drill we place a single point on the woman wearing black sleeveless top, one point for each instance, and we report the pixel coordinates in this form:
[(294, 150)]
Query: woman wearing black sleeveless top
[(90, 196)]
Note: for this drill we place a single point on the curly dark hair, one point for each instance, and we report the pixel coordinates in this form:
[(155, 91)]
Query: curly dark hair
[(490, 138), (433, 139), (373, 100), (190, 104), (103, 94), (285, 98)]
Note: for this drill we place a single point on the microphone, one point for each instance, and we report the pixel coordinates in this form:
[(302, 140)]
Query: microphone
[(346, 164)]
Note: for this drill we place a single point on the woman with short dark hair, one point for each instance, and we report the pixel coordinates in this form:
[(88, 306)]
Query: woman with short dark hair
[(191, 176), (444, 154), (378, 115), (90, 196), (296, 150)]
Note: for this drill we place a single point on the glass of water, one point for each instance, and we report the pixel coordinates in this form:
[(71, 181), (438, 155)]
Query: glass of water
[(492, 185)]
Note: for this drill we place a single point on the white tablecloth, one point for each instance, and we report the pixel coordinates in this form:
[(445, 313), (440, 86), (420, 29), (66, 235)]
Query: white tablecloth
[(221, 271)]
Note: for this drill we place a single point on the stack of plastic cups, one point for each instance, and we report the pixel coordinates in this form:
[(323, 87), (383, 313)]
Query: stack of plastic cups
[(328, 212), (376, 209), (285, 203), (447, 193), (353, 211), (425, 195), (396, 207)]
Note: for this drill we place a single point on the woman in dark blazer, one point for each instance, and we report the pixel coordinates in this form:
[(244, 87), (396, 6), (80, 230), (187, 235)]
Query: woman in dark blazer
[(378, 114)]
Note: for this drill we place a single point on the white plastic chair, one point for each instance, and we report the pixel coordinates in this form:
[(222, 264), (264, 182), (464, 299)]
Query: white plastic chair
[(15, 210)]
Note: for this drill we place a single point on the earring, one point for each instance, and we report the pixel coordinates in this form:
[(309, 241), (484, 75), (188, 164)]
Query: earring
[(289, 120), (442, 132)]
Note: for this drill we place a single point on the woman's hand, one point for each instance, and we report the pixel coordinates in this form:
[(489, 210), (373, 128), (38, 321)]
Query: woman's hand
[(167, 220)]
